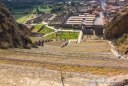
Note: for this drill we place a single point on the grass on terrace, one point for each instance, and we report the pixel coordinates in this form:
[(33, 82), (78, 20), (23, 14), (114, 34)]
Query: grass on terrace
[(51, 36), (37, 27), (46, 30), (21, 18), (64, 35), (24, 17)]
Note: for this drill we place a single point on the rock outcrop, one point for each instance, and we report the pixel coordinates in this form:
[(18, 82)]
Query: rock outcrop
[(118, 29), (25, 29), (12, 34)]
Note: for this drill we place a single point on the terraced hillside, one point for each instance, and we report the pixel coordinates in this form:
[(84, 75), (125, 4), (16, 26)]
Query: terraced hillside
[(90, 46), (45, 30), (37, 27), (61, 35), (40, 28), (78, 62), (52, 52)]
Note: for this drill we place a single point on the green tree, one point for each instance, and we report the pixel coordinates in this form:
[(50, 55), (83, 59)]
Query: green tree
[(73, 4), (37, 10)]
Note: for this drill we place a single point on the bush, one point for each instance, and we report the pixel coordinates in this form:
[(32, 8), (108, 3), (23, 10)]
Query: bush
[(28, 46), (4, 45), (120, 40)]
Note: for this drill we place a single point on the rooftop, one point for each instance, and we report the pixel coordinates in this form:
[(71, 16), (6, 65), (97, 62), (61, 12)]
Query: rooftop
[(82, 19)]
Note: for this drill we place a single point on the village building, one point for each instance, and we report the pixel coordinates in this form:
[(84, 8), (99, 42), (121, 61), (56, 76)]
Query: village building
[(111, 2), (86, 23)]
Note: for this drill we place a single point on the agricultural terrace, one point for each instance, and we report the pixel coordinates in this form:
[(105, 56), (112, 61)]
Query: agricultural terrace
[(63, 35), (46, 30), (21, 18), (22, 15), (37, 27), (42, 29)]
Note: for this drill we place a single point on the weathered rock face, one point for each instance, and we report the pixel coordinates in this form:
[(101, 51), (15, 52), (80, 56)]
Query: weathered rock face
[(118, 29), (25, 30), (117, 26), (12, 34)]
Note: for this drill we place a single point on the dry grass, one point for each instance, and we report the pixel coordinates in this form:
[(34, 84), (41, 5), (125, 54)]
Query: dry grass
[(89, 46), (67, 58), (92, 37), (66, 68), (55, 43), (84, 46), (29, 26), (37, 27)]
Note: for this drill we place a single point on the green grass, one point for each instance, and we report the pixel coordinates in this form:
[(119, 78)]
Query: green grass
[(46, 30), (37, 27), (48, 10), (64, 35), (22, 18), (52, 36), (68, 35), (17, 16), (32, 10), (23, 10)]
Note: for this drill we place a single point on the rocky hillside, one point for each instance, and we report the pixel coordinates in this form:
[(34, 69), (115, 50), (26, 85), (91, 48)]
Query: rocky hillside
[(122, 44), (12, 34), (118, 29)]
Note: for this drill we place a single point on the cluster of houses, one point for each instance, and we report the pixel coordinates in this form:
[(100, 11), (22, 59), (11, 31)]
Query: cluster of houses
[(39, 19), (90, 17), (86, 19), (59, 19), (112, 7), (88, 6), (82, 17), (116, 2)]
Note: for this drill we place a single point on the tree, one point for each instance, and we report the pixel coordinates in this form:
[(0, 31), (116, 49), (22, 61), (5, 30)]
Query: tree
[(73, 4), (37, 10)]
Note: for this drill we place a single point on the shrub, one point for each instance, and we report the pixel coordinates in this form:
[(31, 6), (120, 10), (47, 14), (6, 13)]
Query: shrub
[(120, 40), (4, 45), (28, 46)]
